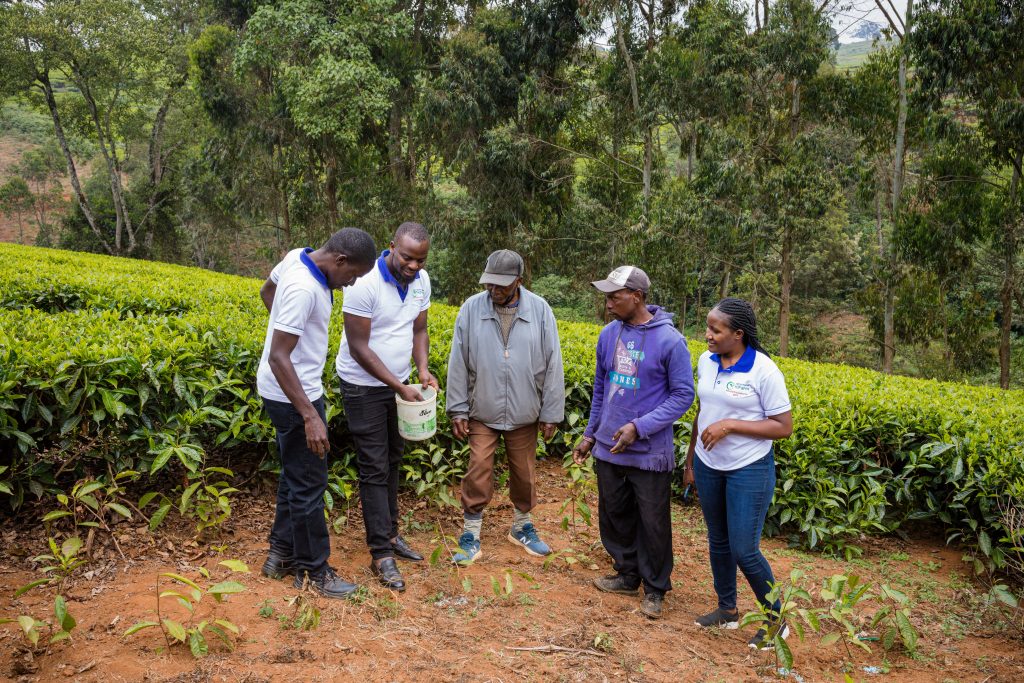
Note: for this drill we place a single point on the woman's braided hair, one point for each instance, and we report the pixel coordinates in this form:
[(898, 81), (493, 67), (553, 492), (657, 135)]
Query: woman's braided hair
[(740, 316)]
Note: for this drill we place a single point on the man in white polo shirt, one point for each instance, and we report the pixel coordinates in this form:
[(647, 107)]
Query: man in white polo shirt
[(290, 380), (385, 324)]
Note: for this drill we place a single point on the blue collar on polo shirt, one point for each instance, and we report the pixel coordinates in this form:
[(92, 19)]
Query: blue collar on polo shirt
[(385, 272), (744, 364), (314, 269)]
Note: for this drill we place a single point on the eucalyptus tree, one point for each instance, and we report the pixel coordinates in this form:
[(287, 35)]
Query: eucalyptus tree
[(970, 60), (497, 109), (796, 187), (124, 62)]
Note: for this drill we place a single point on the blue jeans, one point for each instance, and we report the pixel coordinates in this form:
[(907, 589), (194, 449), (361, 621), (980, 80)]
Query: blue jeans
[(735, 503), (299, 531)]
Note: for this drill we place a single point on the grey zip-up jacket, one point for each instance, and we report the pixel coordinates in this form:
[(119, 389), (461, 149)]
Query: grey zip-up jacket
[(506, 387)]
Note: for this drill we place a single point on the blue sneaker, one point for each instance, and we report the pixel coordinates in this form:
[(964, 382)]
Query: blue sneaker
[(469, 549), (528, 539)]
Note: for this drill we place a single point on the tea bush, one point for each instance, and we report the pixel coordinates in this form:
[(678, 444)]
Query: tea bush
[(112, 364)]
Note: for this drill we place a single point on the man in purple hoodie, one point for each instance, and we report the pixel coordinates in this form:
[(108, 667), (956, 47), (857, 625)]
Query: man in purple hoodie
[(643, 384)]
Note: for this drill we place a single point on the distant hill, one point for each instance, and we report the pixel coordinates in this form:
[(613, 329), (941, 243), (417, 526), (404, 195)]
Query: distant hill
[(852, 55)]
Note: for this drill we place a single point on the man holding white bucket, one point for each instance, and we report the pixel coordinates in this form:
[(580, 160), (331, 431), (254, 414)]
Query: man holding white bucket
[(385, 323), (505, 380)]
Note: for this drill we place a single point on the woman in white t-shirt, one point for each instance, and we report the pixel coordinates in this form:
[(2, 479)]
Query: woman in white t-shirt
[(744, 408)]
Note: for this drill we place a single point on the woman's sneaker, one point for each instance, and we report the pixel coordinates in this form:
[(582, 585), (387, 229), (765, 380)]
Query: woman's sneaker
[(720, 618), (764, 639)]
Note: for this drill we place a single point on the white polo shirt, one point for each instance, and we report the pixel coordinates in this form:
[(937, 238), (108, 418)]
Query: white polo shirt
[(752, 389), (302, 306), (287, 262), (391, 320)]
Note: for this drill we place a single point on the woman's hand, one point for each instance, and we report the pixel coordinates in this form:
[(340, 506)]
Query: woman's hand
[(688, 479), (715, 433)]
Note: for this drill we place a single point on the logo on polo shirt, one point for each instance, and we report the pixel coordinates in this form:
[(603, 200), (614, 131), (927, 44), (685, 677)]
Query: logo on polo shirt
[(419, 294), (739, 389)]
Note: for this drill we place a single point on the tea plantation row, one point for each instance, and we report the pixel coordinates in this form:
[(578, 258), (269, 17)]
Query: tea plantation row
[(108, 365)]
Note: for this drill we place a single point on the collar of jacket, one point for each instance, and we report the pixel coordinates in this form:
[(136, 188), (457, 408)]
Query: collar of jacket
[(526, 311)]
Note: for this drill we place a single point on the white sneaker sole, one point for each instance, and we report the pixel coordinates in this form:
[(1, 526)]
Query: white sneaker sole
[(515, 541), (729, 625), (770, 644)]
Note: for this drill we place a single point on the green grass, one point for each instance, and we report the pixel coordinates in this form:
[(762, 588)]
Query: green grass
[(19, 120), (852, 55)]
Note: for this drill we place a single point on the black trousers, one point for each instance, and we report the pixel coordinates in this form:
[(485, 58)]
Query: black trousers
[(300, 530), (373, 421), (636, 523)]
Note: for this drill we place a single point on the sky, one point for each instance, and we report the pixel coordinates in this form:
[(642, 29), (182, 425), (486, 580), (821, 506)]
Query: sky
[(848, 14)]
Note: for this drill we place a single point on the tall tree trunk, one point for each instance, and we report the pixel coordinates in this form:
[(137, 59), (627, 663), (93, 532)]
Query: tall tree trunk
[(679, 127), (156, 166), (901, 136), (331, 192), (692, 156), (723, 287), (1008, 289), (648, 165), (634, 92), (794, 112), (123, 224), (83, 201), (889, 323), (899, 156), (395, 159), (787, 288)]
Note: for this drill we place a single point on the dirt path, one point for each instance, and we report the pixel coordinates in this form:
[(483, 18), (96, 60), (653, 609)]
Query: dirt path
[(450, 625)]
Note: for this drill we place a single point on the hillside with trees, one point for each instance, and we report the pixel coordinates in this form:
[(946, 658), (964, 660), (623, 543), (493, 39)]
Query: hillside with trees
[(872, 214)]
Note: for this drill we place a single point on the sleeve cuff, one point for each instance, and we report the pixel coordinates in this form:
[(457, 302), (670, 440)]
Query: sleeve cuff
[(778, 411), (298, 332)]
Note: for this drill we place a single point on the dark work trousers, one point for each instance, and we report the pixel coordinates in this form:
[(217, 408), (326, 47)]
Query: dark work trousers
[(373, 421), (636, 523), (300, 530)]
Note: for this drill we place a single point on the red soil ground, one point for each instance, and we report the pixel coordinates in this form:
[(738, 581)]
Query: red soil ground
[(451, 626)]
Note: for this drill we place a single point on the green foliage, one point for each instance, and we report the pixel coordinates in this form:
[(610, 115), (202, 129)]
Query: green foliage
[(188, 594), (150, 368), (62, 561), (839, 614), (59, 629)]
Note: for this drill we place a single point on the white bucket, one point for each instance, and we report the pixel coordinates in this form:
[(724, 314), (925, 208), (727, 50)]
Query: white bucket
[(417, 420)]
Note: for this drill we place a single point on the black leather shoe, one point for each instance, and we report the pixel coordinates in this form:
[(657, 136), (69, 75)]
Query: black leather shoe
[(616, 583), (327, 584), (388, 575), (277, 566), (651, 605), (404, 551)]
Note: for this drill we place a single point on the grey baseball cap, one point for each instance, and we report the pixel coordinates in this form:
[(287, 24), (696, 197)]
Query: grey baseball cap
[(624, 277), (502, 269)]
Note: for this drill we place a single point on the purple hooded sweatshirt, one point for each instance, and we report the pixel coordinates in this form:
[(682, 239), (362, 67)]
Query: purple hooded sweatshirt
[(643, 376)]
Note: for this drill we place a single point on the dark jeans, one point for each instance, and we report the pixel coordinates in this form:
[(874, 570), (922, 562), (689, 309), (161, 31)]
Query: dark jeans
[(636, 523), (373, 421), (735, 503), (300, 530)]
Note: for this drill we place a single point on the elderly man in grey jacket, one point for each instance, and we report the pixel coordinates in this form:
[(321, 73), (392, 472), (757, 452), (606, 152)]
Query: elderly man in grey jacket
[(505, 381)]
